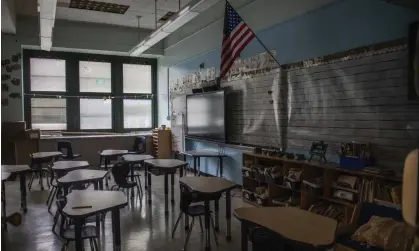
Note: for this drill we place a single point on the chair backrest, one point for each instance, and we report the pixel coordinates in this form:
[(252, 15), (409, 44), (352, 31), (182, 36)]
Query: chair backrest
[(140, 143), (120, 172), (187, 197), (65, 148), (370, 209)]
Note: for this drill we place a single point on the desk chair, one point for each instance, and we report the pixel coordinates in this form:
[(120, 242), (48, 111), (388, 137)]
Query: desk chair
[(121, 173), (140, 144), (54, 188), (187, 197), (67, 150), (36, 168), (67, 233)]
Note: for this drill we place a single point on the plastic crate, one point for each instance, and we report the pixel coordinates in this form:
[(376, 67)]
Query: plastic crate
[(354, 163)]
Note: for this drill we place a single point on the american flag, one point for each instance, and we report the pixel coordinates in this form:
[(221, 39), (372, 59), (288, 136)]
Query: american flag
[(236, 36)]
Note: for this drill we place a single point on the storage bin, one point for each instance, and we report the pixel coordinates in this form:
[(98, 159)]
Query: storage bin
[(312, 188), (273, 178), (355, 163), (261, 201), (291, 183), (248, 195), (259, 174)]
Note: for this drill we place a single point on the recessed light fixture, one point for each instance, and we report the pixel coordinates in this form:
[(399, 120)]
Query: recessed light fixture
[(98, 6)]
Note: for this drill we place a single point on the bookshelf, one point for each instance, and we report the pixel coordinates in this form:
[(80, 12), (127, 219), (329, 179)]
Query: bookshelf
[(370, 187)]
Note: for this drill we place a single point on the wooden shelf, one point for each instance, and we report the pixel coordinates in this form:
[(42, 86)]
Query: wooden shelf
[(251, 202), (288, 188), (329, 172), (328, 166), (339, 201)]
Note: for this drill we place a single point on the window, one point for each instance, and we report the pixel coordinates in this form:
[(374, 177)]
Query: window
[(137, 113), (95, 77), (47, 75), (87, 92), (48, 114), (95, 114), (137, 78)]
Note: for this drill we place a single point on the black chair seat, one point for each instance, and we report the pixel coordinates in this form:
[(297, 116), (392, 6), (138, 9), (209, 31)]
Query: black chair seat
[(67, 157), (87, 232), (129, 184), (196, 210)]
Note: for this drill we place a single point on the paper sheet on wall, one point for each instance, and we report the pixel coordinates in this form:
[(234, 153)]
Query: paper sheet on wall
[(178, 123)]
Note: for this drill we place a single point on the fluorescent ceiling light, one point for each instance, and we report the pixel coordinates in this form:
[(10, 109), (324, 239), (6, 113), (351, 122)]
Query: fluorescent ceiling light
[(179, 22), (174, 23), (139, 50), (203, 5), (156, 37)]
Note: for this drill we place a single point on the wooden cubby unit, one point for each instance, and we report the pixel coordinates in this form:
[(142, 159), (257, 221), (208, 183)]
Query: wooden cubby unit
[(329, 172), (162, 144)]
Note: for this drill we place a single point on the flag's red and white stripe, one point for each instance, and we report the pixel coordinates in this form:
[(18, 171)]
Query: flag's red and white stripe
[(233, 44)]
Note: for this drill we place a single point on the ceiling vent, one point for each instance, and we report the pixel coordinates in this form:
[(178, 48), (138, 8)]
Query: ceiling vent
[(98, 6)]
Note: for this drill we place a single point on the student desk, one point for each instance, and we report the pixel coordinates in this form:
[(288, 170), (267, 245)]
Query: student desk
[(165, 167), (22, 170), (211, 186), (100, 202), (291, 223), (197, 154)]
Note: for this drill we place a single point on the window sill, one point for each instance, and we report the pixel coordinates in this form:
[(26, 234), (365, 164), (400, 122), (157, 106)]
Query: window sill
[(93, 136)]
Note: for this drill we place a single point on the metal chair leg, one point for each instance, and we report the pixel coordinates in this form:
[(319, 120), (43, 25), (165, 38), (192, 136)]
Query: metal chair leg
[(31, 181), (189, 234), (176, 224), (52, 199), (64, 246), (96, 245), (91, 244), (200, 224), (55, 221), (213, 230), (49, 195)]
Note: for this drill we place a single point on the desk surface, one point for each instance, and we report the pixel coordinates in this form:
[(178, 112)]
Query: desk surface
[(5, 175), (135, 158), (15, 168), (83, 175), (165, 163), (203, 153), (101, 201), (43, 155), (292, 223), (207, 184), (113, 152), (69, 165)]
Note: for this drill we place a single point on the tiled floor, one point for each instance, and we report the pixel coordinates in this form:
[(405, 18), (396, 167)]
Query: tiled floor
[(143, 227)]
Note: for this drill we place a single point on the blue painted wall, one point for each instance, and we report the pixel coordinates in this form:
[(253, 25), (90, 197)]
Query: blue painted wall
[(338, 27)]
